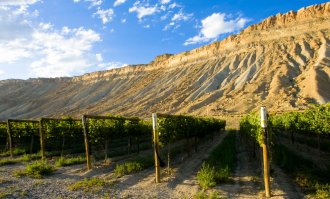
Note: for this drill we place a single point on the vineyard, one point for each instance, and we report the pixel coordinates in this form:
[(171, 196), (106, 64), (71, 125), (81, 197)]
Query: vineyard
[(112, 154), (299, 144)]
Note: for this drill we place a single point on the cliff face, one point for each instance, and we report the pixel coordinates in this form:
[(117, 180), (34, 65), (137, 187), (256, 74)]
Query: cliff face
[(282, 62)]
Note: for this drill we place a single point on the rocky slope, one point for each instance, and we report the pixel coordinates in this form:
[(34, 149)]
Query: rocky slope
[(282, 62)]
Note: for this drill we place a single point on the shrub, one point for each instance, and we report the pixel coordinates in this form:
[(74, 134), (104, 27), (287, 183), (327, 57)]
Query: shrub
[(206, 176), (62, 162), (128, 168), (37, 169), (133, 166), (89, 185)]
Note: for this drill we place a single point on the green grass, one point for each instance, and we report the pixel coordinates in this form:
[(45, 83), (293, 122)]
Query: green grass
[(93, 185), (36, 169), (313, 181), (24, 158), (132, 166), (62, 162), (7, 161), (210, 195), (220, 163)]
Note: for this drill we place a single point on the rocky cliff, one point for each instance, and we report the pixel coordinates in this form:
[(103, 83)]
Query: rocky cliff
[(282, 62)]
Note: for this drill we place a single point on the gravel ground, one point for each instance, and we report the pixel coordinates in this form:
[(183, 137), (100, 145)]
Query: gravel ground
[(180, 183)]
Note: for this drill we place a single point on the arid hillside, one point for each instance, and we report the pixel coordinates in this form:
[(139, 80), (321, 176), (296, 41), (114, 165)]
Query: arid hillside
[(282, 62)]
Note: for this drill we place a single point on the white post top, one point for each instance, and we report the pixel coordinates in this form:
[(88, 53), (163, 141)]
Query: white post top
[(263, 117), (154, 121)]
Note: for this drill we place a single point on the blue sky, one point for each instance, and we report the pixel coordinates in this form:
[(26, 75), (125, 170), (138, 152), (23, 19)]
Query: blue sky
[(52, 38)]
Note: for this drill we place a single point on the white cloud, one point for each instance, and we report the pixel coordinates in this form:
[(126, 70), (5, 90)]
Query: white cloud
[(111, 65), (46, 26), (123, 21), (17, 2), (215, 25), (2, 72), (94, 2), (142, 10), (174, 23), (105, 15), (99, 57), (42, 51), (173, 5), (181, 16), (119, 2), (165, 1)]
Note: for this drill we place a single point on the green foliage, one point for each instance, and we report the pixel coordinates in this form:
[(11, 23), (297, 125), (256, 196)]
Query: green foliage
[(7, 161), (37, 169), (176, 127), (62, 161), (316, 120), (313, 121), (204, 195), (24, 158), (27, 128), (132, 166), (250, 125), (206, 176), (89, 185)]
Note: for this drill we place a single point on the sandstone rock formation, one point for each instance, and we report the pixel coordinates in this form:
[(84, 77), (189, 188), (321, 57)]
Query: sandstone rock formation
[(282, 62)]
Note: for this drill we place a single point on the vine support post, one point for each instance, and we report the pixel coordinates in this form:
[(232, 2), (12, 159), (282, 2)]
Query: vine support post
[(88, 157), (156, 140), (264, 145), (42, 139), (10, 138)]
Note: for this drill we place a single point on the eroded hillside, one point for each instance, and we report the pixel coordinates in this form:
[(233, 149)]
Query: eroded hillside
[(282, 62)]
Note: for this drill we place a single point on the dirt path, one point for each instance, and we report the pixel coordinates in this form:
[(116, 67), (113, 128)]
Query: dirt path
[(248, 183), (182, 182)]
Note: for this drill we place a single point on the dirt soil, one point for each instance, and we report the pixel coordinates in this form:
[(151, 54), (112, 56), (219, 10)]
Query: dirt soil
[(180, 183)]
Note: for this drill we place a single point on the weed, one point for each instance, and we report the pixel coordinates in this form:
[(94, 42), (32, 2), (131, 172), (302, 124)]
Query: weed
[(132, 166), (206, 176), (36, 169), (89, 185), (127, 168), (8, 161), (211, 195), (62, 162)]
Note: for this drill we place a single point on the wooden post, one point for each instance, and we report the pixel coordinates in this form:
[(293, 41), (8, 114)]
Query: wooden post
[(264, 146), (10, 138), (42, 139), (88, 158), (155, 136)]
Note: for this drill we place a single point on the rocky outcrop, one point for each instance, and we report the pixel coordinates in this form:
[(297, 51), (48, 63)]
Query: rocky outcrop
[(282, 62)]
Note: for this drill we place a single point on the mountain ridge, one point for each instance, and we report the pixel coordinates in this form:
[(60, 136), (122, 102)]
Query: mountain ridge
[(283, 58)]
